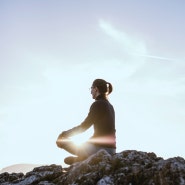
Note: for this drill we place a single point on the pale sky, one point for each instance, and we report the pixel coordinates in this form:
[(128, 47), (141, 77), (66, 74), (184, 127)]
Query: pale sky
[(51, 51)]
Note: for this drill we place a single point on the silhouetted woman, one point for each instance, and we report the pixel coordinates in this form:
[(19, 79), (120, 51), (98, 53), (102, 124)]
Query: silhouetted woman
[(102, 116)]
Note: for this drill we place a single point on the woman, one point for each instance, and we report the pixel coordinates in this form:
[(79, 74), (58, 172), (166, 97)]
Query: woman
[(102, 116)]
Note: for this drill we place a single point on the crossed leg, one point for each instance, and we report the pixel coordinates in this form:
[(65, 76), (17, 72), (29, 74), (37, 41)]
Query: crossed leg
[(69, 146)]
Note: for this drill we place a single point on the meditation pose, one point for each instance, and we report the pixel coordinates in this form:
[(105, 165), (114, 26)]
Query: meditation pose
[(102, 117)]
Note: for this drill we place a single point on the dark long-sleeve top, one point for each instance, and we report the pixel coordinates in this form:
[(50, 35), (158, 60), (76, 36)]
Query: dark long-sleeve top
[(102, 116)]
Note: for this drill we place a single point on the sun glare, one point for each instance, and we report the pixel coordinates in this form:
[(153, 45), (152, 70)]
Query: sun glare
[(78, 140)]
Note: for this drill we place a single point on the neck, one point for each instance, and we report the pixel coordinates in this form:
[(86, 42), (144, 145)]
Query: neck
[(101, 96)]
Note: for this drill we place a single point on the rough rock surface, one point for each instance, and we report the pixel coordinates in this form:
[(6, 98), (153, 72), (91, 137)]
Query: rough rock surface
[(125, 168)]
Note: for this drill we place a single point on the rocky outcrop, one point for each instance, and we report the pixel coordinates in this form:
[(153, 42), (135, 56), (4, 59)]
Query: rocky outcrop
[(125, 168)]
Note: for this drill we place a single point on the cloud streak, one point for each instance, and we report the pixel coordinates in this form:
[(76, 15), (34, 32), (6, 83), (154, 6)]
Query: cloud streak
[(133, 46), (128, 43)]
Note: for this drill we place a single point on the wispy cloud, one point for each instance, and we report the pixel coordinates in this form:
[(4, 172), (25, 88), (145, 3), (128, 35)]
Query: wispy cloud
[(130, 44), (153, 57)]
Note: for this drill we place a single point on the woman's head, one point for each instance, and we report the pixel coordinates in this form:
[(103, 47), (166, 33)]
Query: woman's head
[(102, 87)]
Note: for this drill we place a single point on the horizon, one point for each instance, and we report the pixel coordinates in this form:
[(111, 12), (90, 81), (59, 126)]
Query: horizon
[(52, 51)]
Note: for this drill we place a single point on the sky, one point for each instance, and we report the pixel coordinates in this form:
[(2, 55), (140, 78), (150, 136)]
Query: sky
[(50, 53)]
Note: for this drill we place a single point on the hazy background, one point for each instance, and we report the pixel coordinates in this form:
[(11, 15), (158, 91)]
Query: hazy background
[(51, 51)]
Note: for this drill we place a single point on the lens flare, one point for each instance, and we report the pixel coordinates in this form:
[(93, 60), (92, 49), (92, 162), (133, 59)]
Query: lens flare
[(78, 140)]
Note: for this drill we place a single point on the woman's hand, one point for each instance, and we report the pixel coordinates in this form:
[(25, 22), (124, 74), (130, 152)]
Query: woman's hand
[(62, 135), (62, 138)]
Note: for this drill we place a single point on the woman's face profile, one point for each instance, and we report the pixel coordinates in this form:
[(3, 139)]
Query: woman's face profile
[(94, 92)]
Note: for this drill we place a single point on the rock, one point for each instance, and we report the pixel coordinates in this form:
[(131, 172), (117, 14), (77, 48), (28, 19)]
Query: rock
[(129, 167), (6, 177), (41, 175)]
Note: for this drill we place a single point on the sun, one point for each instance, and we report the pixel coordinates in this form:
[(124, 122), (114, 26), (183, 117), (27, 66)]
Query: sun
[(79, 140)]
